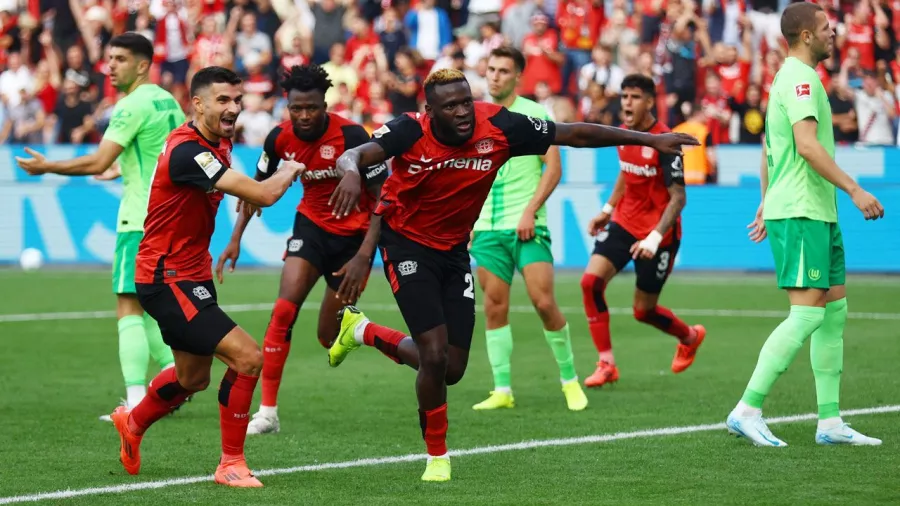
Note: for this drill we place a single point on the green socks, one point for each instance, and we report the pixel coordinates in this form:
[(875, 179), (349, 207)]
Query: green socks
[(826, 352), (133, 350), (561, 345), (499, 348), (779, 351), (160, 353)]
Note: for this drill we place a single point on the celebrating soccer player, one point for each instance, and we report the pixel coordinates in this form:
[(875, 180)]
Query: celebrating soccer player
[(641, 221), (799, 215), (445, 162), (140, 122), (322, 244), (511, 234), (174, 274)]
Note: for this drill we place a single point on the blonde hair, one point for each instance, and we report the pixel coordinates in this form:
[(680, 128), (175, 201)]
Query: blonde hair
[(443, 76)]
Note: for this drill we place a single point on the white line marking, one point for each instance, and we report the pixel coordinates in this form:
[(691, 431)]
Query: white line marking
[(524, 445), (314, 306)]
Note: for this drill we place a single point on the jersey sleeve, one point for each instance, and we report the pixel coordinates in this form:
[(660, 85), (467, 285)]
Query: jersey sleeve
[(801, 100), (398, 135), (355, 135), (673, 169), (124, 124), (193, 164), (526, 135), (268, 159)]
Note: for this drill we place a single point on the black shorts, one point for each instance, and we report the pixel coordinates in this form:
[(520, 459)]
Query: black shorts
[(326, 252), (615, 244), (188, 314), (432, 287)]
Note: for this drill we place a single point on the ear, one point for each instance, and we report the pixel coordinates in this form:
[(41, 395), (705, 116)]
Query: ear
[(143, 66), (429, 111), (197, 102)]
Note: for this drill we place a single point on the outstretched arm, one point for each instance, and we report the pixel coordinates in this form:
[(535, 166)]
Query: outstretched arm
[(588, 135), (94, 163)]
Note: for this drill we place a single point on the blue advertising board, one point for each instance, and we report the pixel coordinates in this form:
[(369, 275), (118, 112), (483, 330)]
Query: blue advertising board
[(72, 219)]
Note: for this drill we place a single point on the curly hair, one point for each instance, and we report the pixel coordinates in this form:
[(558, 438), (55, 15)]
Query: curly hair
[(306, 78)]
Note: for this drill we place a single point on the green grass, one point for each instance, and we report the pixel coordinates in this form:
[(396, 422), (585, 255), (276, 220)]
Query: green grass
[(59, 376)]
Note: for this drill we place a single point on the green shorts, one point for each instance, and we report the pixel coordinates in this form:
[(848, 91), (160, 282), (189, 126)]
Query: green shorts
[(123, 263), (502, 252), (808, 253)]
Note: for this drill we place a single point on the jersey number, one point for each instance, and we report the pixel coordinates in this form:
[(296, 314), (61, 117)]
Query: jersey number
[(470, 290), (663, 264)]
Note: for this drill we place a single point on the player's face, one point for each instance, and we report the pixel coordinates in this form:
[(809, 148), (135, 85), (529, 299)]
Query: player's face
[(822, 41), (453, 111), (124, 67), (502, 77), (635, 107), (219, 107), (307, 110)]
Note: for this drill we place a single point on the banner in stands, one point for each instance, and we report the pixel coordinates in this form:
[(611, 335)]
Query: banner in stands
[(72, 220)]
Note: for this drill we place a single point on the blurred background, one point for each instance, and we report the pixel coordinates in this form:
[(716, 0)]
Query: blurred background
[(713, 62)]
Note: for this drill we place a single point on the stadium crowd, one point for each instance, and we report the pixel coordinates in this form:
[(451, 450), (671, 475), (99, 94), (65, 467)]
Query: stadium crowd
[(713, 61)]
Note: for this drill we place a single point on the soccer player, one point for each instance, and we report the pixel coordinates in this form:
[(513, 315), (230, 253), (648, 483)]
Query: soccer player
[(321, 243), (641, 221), (799, 215), (444, 163), (174, 275), (140, 122), (511, 234)]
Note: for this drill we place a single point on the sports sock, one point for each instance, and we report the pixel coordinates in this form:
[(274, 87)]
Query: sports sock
[(434, 430), (561, 344), (499, 350), (826, 353), (133, 351), (665, 320), (276, 346), (592, 292), (779, 351), (165, 394), (235, 395), (159, 351), (384, 339)]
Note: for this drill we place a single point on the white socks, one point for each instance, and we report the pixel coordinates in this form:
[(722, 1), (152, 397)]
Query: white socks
[(134, 394), (360, 330), (268, 411)]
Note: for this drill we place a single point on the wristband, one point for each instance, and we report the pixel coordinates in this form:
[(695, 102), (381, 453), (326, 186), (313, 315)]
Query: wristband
[(651, 242), (608, 209)]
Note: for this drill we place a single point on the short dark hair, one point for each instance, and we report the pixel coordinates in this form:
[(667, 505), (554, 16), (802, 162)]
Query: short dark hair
[(441, 77), (796, 18), (512, 53), (208, 76), (135, 43), (641, 82), (306, 78)]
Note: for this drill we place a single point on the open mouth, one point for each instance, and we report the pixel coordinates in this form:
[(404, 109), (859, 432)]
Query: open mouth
[(228, 123), (464, 126), (628, 116)]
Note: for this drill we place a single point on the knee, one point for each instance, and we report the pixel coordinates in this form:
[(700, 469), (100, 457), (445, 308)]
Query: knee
[(433, 358), (591, 284), (496, 310), (194, 382), (545, 305), (249, 362), (455, 373), (642, 312)]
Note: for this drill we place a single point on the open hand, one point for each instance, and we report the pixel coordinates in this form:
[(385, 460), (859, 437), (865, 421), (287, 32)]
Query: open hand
[(247, 209), (598, 223), (671, 143), (232, 252), (758, 226), (36, 165), (354, 272), (346, 196)]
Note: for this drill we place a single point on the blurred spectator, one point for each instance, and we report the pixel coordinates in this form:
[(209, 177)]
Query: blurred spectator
[(579, 23), (27, 118), (250, 41), (254, 123), (172, 43), (516, 21), (404, 85), (543, 62), (699, 161), (391, 36), (14, 80), (750, 115), (72, 115), (339, 73), (429, 29), (603, 71), (716, 109), (875, 111), (329, 28), (843, 114)]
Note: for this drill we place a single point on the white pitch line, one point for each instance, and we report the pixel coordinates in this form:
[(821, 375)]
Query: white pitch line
[(314, 306), (524, 445)]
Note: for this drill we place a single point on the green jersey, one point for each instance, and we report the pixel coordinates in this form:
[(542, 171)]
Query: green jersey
[(140, 123), (516, 182), (795, 189)]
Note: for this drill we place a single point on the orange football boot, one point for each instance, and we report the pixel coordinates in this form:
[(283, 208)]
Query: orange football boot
[(684, 354), (235, 473), (130, 451), (605, 373)]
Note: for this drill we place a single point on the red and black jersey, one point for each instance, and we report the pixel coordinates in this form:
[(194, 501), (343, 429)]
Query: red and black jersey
[(181, 212), (648, 176), (320, 178), (435, 192)]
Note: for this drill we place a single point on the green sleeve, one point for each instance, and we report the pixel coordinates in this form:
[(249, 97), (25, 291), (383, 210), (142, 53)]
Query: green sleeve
[(802, 98), (124, 125)]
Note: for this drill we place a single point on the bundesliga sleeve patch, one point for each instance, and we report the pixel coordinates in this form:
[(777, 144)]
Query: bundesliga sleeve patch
[(207, 161), (263, 164), (803, 91), (381, 131)]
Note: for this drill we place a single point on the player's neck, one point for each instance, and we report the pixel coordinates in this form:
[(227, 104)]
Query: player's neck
[(803, 55), (645, 125), (205, 132), (508, 100), (137, 82)]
